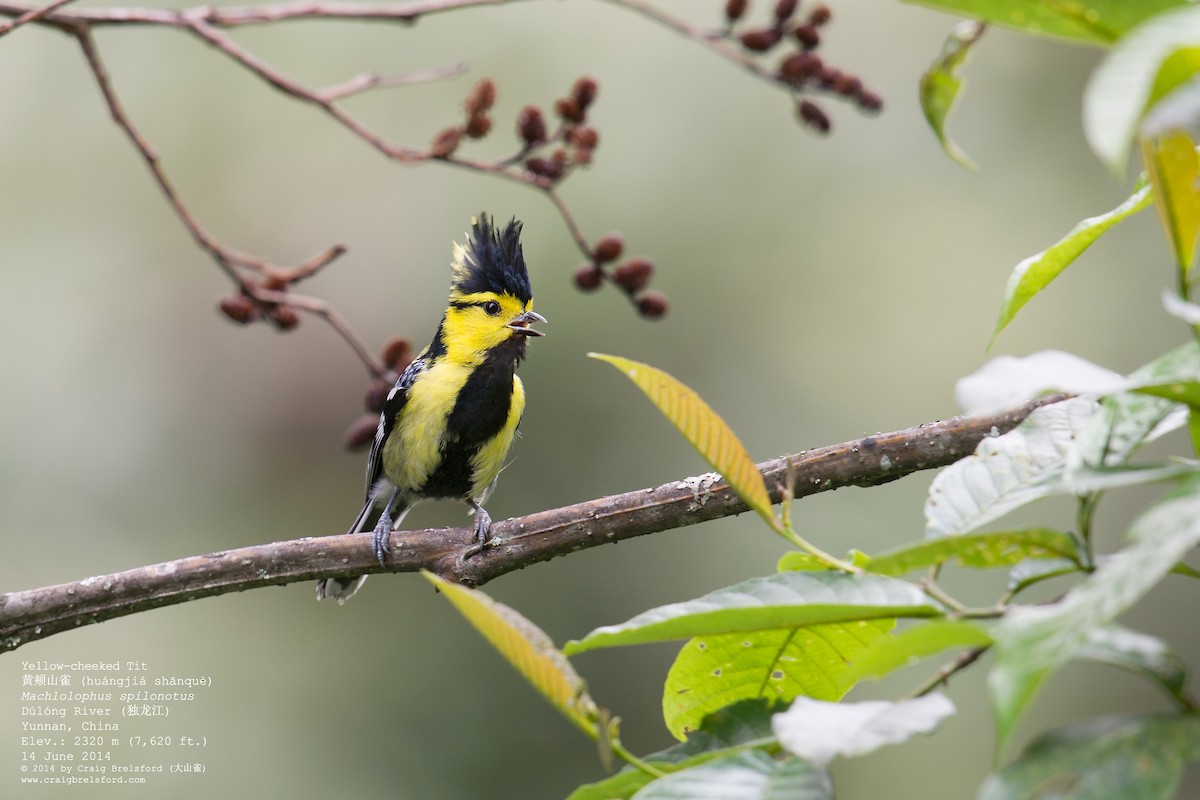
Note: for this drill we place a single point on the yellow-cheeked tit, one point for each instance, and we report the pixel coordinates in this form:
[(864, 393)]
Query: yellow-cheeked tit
[(447, 424)]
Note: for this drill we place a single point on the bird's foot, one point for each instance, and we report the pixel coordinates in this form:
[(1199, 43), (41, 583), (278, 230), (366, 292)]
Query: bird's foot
[(380, 538), (482, 533)]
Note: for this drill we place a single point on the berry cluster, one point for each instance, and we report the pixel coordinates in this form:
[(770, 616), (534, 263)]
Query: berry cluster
[(547, 155), (243, 308), (631, 275), (396, 354), (802, 71)]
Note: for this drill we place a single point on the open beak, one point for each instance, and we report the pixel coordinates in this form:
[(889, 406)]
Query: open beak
[(521, 324)]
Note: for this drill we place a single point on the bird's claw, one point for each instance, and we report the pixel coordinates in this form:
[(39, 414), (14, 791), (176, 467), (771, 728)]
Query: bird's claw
[(380, 539), (482, 533)]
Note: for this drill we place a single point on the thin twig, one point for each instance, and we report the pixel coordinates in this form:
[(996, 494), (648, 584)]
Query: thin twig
[(716, 44), (32, 16), (960, 662), (37, 613), (233, 17), (373, 80)]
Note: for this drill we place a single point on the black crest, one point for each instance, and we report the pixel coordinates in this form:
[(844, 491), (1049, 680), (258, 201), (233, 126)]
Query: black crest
[(491, 261)]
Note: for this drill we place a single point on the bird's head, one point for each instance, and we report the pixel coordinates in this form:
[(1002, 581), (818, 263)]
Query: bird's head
[(491, 302)]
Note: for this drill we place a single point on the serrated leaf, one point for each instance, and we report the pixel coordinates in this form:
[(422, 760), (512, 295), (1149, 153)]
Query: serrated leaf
[(1032, 642), (746, 776), (1145, 655), (940, 85), (712, 672), (1171, 161), (1006, 472), (977, 551), (786, 600), (1095, 22), (818, 732), (1132, 77), (1035, 273), (890, 653), (528, 649), (1113, 758), (703, 428)]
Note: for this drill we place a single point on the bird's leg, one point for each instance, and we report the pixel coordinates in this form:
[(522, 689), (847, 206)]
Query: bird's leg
[(383, 529), (483, 526)]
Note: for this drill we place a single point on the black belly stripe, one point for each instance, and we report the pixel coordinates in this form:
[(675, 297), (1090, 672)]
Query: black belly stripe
[(478, 415)]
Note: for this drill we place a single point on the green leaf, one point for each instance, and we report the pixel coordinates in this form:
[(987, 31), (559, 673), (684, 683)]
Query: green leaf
[(1183, 569), (890, 653), (976, 550), (528, 649), (1092, 21), (1137, 72), (818, 732), (1032, 642), (941, 84), (703, 429), (1114, 758), (787, 600), (1187, 392), (1033, 571), (1006, 472), (1085, 480), (1148, 656), (711, 672), (1129, 420), (1036, 272), (746, 776), (729, 731), (1174, 169), (1007, 381)]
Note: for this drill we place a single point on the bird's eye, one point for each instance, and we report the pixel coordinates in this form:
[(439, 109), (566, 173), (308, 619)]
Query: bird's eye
[(492, 308)]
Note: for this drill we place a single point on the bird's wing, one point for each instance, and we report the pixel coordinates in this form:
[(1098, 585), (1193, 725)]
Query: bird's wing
[(396, 399)]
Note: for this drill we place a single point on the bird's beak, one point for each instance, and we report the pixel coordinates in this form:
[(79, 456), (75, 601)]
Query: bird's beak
[(521, 324)]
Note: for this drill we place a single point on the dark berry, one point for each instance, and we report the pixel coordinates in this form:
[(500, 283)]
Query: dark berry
[(445, 143), (761, 40), (531, 126), (652, 305), (812, 116), (239, 308), (609, 248), (588, 277), (634, 274)]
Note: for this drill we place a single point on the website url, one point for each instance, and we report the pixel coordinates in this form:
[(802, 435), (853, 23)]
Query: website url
[(82, 779)]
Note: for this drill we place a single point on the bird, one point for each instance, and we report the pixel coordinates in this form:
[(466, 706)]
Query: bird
[(450, 419)]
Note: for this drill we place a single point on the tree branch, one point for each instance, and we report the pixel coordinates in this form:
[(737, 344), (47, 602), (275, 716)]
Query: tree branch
[(37, 613)]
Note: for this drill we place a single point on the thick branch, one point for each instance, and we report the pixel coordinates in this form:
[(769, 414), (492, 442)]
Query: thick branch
[(37, 613)]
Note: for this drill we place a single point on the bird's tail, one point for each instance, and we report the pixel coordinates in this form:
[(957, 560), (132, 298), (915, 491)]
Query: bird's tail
[(342, 589)]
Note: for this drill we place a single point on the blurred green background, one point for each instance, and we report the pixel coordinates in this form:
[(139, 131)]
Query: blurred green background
[(822, 289)]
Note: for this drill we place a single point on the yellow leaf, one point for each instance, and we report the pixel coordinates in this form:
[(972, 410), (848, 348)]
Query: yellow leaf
[(528, 649), (703, 428), (1172, 164)]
